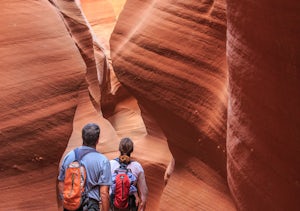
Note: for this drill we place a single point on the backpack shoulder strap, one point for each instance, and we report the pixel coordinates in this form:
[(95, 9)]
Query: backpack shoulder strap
[(117, 159), (80, 153)]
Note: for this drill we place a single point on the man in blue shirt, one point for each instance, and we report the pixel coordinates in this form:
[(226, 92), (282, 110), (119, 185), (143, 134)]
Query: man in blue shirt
[(98, 171)]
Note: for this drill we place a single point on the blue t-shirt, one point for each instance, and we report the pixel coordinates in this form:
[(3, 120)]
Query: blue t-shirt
[(98, 171)]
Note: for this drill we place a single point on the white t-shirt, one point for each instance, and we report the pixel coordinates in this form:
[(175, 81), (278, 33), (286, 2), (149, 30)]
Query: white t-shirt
[(135, 167)]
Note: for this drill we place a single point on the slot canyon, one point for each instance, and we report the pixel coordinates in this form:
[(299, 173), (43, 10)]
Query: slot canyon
[(208, 90)]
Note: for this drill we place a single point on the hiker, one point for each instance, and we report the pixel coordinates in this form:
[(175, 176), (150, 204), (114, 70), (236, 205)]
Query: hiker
[(123, 191), (125, 149), (98, 171)]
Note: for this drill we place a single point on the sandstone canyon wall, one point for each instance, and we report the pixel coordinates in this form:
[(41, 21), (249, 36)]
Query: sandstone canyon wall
[(157, 53), (49, 59), (54, 73), (39, 89), (264, 96), (171, 56), (208, 90)]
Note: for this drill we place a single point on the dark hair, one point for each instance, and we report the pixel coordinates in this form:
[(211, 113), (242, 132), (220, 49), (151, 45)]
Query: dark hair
[(90, 134), (126, 146)]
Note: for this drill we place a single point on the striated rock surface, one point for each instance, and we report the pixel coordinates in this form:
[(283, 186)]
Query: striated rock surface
[(171, 56), (54, 74), (41, 72), (207, 90), (264, 97), (49, 58)]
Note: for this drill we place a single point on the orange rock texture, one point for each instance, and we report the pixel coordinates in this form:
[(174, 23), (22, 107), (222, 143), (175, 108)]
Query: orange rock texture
[(208, 91), (171, 56), (264, 94)]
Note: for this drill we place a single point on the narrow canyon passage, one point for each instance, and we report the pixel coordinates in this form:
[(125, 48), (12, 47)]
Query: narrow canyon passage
[(32, 185), (207, 90)]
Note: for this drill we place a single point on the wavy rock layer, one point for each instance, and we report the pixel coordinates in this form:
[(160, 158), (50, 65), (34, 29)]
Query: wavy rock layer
[(263, 115), (123, 113), (171, 56), (49, 57), (35, 65), (39, 89), (55, 71)]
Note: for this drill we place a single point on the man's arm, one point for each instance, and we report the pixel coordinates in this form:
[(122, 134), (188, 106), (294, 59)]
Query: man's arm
[(104, 194), (143, 191), (60, 188)]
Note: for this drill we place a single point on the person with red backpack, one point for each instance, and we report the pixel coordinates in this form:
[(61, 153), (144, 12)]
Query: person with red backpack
[(123, 193), (85, 175), (130, 176)]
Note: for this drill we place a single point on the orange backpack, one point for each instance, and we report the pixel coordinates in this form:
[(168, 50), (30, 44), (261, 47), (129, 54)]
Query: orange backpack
[(74, 183)]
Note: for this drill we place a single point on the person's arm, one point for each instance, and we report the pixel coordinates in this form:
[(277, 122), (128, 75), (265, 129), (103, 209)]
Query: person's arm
[(60, 188), (104, 194), (137, 199), (133, 191), (143, 191)]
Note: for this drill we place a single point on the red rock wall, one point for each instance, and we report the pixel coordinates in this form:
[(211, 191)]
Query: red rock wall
[(48, 55), (171, 56), (41, 72), (263, 114), (92, 52)]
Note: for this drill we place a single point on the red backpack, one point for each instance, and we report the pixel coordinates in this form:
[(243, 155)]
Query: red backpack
[(122, 188)]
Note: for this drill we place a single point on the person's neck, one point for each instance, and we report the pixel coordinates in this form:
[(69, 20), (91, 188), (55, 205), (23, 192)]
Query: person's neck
[(94, 146)]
